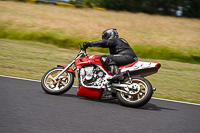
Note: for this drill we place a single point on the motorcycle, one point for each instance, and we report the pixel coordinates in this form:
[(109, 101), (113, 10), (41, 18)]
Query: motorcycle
[(95, 80)]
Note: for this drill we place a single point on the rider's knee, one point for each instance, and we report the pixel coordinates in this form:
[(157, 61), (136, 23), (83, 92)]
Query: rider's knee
[(105, 60)]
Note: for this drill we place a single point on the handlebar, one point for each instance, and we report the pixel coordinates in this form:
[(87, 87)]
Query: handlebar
[(82, 48)]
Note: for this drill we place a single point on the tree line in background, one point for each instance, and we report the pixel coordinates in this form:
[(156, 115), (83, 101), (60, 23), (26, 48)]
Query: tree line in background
[(185, 8)]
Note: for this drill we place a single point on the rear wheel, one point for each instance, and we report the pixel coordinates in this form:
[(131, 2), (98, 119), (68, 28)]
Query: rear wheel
[(138, 95), (59, 86)]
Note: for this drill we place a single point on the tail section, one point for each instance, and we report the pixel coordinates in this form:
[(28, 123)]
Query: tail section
[(142, 68)]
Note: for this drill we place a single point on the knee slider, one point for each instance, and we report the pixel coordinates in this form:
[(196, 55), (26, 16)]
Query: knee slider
[(104, 60)]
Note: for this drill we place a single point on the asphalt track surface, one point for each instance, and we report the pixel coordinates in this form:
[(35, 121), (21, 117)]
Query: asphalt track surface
[(25, 108)]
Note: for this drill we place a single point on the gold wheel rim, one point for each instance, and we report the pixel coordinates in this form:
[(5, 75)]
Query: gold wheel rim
[(139, 95), (58, 84)]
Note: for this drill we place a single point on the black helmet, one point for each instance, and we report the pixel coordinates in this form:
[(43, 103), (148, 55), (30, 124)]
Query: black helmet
[(109, 33)]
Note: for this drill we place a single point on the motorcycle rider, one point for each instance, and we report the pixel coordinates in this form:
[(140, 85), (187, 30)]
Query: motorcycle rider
[(120, 52)]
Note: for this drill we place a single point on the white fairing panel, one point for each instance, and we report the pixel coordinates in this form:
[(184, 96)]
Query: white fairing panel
[(142, 68)]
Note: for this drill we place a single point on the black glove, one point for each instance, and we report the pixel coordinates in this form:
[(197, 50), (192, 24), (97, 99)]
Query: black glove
[(87, 44)]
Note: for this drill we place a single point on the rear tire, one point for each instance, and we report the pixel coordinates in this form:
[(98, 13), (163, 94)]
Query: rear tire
[(59, 86), (143, 94)]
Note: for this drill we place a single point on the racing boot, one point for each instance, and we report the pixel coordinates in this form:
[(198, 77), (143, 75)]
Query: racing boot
[(117, 75)]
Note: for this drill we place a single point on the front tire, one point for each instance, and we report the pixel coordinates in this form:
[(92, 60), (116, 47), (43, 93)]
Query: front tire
[(137, 97), (59, 86)]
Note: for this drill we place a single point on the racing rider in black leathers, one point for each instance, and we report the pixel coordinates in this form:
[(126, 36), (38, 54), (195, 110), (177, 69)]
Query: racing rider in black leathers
[(120, 52)]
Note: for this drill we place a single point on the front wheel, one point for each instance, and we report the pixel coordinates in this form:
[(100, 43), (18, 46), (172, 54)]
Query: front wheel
[(137, 96), (59, 86)]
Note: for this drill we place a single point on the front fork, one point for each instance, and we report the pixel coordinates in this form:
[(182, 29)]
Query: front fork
[(64, 70), (79, 55)]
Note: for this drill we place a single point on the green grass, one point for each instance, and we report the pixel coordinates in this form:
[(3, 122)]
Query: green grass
[(27, 59), (42, 35), (55, 38), (165, 53), (151, 36)]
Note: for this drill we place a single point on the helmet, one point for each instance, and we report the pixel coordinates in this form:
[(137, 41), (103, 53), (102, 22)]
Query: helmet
[(109, 33)]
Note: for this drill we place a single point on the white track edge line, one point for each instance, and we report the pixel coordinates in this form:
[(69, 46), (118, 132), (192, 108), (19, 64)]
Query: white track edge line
[(20, 78), (76, 86), (175, 101)]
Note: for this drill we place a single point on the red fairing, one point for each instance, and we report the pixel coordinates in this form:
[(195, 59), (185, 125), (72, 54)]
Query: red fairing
[(89, 93), (92, 59)]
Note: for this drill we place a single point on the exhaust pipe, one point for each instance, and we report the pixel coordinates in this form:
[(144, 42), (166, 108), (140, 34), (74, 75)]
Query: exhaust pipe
[(154, 89)]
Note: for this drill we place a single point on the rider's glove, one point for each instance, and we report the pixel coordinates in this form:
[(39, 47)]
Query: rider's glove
[(86, 45)]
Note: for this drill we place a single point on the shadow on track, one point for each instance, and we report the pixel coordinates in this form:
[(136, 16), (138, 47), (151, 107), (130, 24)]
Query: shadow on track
[(148, 106), (153, 107)]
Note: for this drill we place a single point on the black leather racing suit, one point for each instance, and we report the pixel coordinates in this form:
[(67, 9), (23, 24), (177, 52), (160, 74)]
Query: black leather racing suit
[(120, 52)]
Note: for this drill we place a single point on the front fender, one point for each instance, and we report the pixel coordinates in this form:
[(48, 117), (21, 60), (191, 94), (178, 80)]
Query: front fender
[(69, 70)]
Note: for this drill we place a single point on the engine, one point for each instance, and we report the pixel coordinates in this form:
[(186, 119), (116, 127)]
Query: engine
[(92, 75)]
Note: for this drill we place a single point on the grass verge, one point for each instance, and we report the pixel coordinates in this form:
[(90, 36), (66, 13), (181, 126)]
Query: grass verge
[(55, 38), (151, 36), (27, 59)]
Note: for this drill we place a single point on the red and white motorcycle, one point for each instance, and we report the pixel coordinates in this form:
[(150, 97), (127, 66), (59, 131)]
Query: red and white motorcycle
[(94, 80)]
